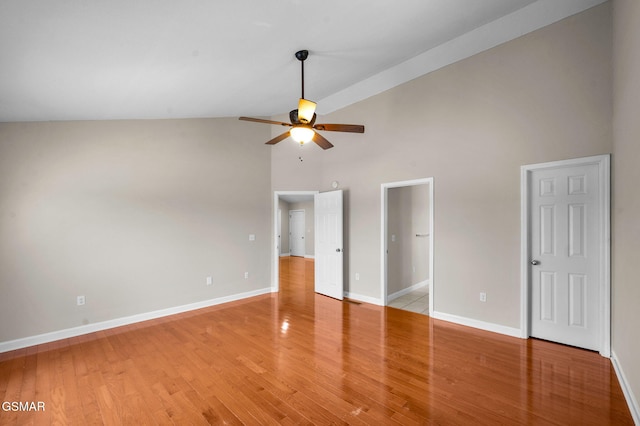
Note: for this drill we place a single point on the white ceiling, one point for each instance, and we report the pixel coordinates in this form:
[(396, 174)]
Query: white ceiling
[(91, 59)]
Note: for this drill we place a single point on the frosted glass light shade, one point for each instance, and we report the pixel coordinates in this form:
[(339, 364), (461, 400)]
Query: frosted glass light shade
[(301, 134)]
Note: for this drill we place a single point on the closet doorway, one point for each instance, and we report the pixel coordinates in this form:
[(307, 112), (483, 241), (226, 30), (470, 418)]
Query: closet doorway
[(407, 245)]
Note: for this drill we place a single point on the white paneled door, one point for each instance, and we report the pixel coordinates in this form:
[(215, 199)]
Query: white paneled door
[(296, 233), (565, 255), (328, 244)]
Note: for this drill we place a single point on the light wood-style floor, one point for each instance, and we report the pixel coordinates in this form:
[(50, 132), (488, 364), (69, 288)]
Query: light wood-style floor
[(300, 358)]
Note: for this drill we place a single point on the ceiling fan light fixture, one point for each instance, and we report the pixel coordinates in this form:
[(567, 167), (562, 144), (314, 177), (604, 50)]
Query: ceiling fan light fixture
[(306, 109), (302, 134), (303, 120)]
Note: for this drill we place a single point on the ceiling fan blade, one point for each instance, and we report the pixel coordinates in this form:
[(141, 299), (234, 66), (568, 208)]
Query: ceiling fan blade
[(321, 141), (353, 128), (278, 139), (260, 120)]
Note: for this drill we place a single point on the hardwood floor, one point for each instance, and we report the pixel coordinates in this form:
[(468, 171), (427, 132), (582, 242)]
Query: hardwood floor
[(300, 358)]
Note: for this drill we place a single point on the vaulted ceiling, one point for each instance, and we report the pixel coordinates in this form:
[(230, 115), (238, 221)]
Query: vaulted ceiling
[(100, 60)]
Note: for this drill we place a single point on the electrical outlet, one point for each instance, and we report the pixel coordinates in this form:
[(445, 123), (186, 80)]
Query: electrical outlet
[(357, 276), (80, 300), (252, 237), (209, 280), (246, 275), (483, 297)]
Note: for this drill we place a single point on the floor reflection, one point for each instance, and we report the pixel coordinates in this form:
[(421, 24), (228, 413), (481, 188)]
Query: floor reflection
[(390, 362)]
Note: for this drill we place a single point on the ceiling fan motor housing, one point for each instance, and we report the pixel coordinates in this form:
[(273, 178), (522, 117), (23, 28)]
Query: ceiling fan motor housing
[(295, 120)]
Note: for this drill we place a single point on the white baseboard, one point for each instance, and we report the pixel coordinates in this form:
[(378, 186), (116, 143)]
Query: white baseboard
[(306, 256), (361, 298), (407, 290), (118, 322), (482, 325), (632, 402)]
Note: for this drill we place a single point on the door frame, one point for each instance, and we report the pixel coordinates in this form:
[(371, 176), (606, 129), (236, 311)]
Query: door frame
[(384, 196), (275, 255), (278, 235), (604, 181)]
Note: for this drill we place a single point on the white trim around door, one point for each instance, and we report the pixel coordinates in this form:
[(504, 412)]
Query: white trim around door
[(604, 191), (384, 189)]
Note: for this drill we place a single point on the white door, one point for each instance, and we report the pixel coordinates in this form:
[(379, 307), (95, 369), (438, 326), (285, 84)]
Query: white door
[(566, 255), (328, 244), (296, 233)]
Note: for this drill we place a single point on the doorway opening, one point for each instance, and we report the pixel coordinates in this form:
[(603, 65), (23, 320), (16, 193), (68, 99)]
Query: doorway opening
[(284, 201), (407, 253)]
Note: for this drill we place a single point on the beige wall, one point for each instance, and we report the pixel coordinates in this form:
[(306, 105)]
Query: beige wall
[(284, 208), (545, 96), (626, 192), (134, 215)]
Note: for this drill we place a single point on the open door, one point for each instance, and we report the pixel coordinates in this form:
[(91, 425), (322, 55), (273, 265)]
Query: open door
[(328, 244)]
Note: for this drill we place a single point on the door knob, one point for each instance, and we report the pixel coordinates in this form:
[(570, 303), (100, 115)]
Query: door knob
[(535, 262), (338, 250)]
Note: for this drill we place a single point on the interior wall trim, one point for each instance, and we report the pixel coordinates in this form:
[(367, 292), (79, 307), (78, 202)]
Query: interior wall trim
[(482, 325), (632, 402), (362, 298), (118, 322), (407, 290)]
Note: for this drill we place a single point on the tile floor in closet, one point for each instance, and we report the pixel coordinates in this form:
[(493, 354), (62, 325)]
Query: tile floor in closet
[(416, 301)]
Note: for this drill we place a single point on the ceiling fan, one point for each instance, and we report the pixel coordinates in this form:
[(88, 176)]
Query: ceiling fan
[(303, 120)]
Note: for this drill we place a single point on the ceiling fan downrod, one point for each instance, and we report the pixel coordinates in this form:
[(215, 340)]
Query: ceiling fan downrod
[(302, 55)]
